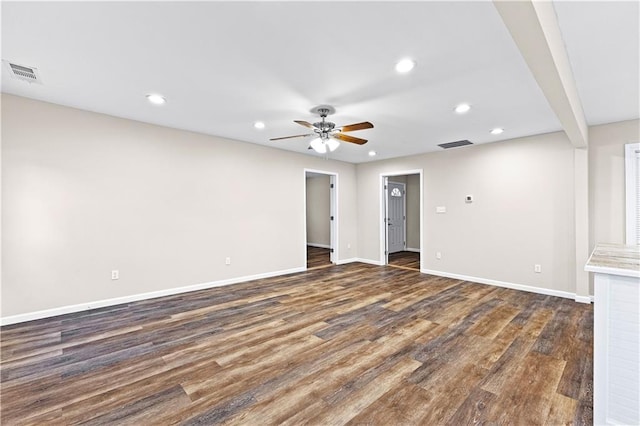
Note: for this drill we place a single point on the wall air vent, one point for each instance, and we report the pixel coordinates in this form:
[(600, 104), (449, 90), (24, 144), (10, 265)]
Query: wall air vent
[(24, 73), (455, 144)]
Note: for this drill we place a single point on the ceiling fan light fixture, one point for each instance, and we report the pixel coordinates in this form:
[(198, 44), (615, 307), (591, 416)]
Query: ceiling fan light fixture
[(318, 146), (405, 65), (372, 153), (332, 144)]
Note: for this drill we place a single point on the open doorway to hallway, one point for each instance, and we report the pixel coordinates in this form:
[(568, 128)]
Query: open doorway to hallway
[(320, 218), (402, 220)]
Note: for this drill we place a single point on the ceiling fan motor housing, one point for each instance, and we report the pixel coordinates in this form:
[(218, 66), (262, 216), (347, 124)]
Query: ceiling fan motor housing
[(324, 126)]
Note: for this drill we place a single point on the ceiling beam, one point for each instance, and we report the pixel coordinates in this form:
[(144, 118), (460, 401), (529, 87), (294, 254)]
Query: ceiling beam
[(534, 27)]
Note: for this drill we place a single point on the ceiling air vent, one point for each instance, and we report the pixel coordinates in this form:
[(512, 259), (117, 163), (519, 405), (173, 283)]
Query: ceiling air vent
[(455, 144), (24, 73)]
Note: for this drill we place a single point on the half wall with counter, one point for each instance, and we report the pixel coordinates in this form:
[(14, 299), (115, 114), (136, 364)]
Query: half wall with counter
[(616, 354)]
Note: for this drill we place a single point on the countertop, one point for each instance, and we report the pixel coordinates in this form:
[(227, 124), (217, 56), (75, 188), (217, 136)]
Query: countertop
[(615, 259)]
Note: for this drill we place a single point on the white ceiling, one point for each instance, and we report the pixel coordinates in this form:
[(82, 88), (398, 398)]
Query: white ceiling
[(603, 43), (224, 65)]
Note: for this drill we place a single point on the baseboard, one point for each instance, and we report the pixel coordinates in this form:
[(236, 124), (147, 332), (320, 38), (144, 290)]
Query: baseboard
[(584, 299), (357, 259), (522, 287), (47, 313), (345, 261), (327, 246), (412, 250), (369, 261)]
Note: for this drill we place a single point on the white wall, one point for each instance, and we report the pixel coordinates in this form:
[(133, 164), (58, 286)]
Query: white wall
[(318, 210), (522, 214), (607, 180), (85, 193)]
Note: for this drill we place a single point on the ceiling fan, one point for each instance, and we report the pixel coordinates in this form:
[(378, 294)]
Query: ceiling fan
[(326, 132)]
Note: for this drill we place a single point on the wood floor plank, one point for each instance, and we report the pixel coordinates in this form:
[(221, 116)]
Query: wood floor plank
[(145, 410), (405, 259), (342, 344), (265, 364), (561, 410), (419, 293), (493, 323), (272, 376), (350, 406), (505, 366), (474, 408), (529, 394), (318, 257), (273, 343), (448, 377), (404, 404), (45, 394), (298, 394)]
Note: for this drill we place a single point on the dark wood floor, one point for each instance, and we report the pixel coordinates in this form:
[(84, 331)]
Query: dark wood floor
[(357, 344), (405, 259), (317, 257)]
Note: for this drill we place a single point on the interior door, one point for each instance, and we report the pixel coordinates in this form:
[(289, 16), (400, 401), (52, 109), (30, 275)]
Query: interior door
[(395, 217)]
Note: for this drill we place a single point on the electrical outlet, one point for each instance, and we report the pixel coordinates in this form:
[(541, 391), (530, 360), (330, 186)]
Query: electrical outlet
[(537, 269), (438, 255), (115, 274), (227, 261)]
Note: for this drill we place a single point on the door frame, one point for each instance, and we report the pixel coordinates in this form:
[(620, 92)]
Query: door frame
[(333, 211), (384, 256)]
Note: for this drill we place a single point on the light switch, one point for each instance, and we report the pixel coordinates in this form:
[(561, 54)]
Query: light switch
[(441, 209)]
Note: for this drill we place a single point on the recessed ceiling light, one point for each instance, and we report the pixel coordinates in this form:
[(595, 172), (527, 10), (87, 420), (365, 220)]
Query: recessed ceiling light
[(405, 65), (258, 125), (462, 108), (496, 131), (156, 99), (372, 153)]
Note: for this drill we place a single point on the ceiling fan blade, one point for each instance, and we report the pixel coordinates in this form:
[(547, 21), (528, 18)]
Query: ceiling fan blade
[(289, 137), (357, 126), (347, 138), (304, 123)]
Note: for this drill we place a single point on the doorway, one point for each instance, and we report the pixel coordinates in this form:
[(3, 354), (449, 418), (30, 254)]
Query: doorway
[(320, 218), (401, 212), (396, 217)]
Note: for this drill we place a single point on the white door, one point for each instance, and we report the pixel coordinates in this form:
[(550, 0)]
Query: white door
[(395, 217)]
